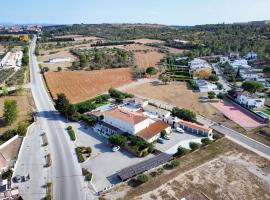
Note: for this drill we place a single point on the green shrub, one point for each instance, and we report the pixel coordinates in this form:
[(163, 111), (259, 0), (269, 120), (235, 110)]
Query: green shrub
[(175, 163), (79, 154), (211, 95), (181, 151), (118, 140), (163, 133), (142, 178), (194, 145), (206, 141), (90, 120), (184, 114), (69, 128), (71, 134), (88, 177)]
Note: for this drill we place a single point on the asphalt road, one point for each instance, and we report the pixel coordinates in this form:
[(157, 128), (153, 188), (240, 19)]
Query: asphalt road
[(66, 172)]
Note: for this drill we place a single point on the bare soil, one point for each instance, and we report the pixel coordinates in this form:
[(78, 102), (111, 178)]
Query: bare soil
[(82, 85), (223, 170)]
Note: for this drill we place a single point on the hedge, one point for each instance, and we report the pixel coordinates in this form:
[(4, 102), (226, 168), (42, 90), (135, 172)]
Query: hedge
[(79, 154), (71, 133)]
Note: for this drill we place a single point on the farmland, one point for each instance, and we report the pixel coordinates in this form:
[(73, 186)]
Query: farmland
[(147, 59), (82, 85)]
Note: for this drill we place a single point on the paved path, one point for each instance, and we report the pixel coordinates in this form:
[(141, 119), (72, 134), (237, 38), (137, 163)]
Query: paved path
[(31, 161), (221, 77), (66, 175)]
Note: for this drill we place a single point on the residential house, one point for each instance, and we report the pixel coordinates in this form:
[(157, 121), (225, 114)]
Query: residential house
[(251, 56), (240, 63), (198, 64), (136, 102), (195, 128), (158, 112), (251, 101), (205, 86)]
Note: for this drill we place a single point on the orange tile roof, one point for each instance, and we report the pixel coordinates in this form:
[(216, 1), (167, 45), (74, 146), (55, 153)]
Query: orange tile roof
[(154, 129), (125, 115), (195, 126)]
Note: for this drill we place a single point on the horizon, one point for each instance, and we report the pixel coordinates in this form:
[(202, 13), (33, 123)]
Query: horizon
[(175, 12)]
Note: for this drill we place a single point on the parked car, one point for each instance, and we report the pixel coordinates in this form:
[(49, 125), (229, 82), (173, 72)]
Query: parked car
[(160, 141), (115, 148), (179, 130), (166, 137)]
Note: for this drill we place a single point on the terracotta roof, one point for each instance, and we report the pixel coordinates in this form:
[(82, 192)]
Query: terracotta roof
[(126, 115), (195, 126), (152, 130)]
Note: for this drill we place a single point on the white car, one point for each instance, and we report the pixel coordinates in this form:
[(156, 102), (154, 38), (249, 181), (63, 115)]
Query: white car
[(115, 148), (179, 130)]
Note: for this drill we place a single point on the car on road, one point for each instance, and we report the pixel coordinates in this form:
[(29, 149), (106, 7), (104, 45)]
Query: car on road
[(160, 141), (180, 130), (115, 148)]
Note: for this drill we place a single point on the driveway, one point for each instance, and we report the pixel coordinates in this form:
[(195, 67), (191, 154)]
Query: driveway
[(103, 163), (176, 140)]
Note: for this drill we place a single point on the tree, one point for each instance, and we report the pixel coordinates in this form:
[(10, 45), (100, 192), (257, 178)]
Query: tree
[(117, 140), (184, 114), (22, 128), (62, 104), (194, 145), (20, 89), (163, 133), (253, 86), (220, 86), (165, 78), (181, 151), (213, 78), (142, 178), (151, 71), (59, 69), (10, 111), (211, 95), (220, 95)]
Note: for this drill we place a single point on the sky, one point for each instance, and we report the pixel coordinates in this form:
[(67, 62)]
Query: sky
[(170, 12)]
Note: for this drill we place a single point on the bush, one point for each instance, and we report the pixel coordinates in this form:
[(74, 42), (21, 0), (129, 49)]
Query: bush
[(217, 136), (71, 133), (142, 178), (79, 154), (194, 145), (193, 85), (118, 95), (213, 77), (184, 114), (211, 95), (22, 128), (88, 177), (90, 120), (220, 95), (206, 141), (7, 174), (175, 163), (181, 151)]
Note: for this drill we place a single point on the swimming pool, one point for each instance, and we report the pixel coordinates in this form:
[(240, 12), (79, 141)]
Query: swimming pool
[(263, 115), (105, 107)]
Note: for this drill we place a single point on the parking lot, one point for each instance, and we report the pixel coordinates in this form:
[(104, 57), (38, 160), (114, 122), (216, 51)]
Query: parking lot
[(176, 140), (103, 163)]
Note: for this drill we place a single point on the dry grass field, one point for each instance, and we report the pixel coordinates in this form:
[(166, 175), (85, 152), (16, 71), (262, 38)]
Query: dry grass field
[(144, 60), (177, 94), (146, 40), (223, 170), (25, 106), (79, 37), (82, 85)]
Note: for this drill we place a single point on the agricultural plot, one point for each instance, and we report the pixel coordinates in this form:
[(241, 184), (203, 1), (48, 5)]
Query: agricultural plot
[(148, 59), (5, 73), (82, 85)]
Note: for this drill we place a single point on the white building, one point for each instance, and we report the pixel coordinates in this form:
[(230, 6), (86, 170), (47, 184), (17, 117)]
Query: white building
[(251, 56), (135, 123), (251, 101), (224, 59), (55, 60), (18, 57), (136, 102), (198, 63), (159, 112), (5, 59), (195, 128), (205, 86), (240, 63), (248, 74)]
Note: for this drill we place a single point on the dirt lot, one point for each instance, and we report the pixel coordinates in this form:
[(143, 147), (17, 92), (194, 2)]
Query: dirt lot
[(145, 41), (82, 85), (144, 60), (25, 105), (174, 50), (174, 93), (223, 170)]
